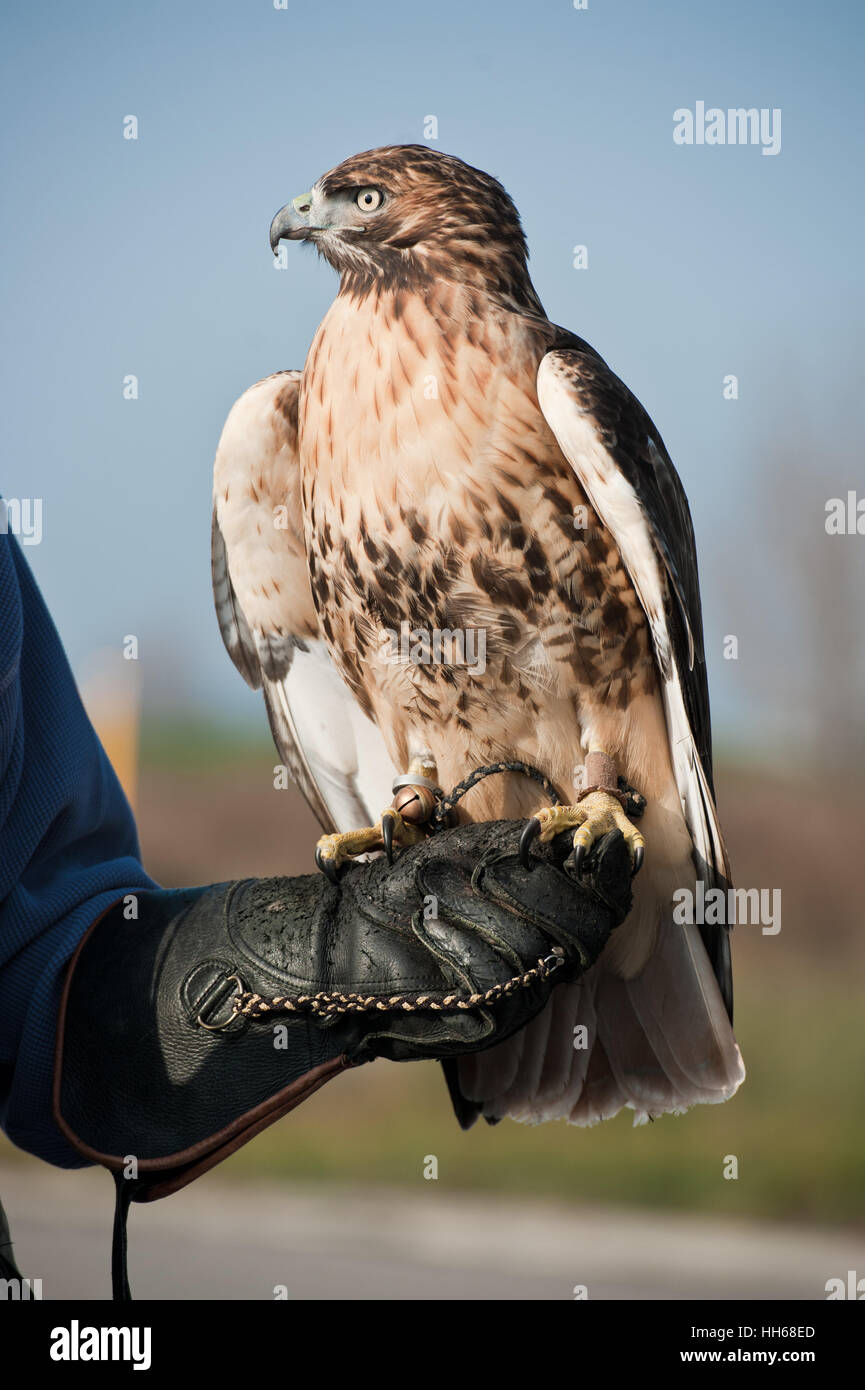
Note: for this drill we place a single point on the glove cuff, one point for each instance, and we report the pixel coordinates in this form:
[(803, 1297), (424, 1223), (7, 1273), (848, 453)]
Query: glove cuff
[(137, 1061)]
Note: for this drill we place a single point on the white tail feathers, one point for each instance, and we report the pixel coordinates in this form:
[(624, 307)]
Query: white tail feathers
[(658, 1043)]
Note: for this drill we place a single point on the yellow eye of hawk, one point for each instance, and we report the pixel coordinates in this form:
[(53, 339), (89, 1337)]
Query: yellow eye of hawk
[(369, 199)]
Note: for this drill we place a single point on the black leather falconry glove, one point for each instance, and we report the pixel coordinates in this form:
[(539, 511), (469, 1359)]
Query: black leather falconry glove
[(186, 1032)]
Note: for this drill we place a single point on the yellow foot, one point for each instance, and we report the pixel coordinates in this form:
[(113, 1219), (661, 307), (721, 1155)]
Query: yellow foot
[(333, 850), (593, 817)]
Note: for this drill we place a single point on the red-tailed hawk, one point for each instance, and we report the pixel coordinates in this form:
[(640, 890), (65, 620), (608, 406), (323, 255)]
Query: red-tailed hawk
[(450, 462)]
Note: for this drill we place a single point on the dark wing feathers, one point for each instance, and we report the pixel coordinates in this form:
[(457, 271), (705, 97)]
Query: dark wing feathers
[(636, 448), (627, 431)]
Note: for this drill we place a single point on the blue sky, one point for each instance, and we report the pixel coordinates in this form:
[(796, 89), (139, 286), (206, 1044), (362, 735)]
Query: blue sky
[(150, 257)]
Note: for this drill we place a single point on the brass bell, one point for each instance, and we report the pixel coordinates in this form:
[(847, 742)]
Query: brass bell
[(415, 804)]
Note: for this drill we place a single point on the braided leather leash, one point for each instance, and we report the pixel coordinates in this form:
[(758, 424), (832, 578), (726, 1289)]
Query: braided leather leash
[(249, 1005), (633, 801), (445, 804)]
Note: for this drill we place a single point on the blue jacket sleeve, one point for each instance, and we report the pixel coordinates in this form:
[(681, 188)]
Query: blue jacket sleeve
[(68, 849)]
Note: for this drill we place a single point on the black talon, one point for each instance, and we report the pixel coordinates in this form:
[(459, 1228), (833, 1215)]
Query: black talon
[(579, 856), (387, 836), (327, 866), (530, 830), (638, 861)]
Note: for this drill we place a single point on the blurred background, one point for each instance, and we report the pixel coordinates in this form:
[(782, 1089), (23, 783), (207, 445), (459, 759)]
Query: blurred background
[(140, 299)]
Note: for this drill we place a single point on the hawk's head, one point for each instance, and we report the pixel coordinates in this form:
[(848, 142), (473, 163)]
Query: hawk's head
[(405, 214)]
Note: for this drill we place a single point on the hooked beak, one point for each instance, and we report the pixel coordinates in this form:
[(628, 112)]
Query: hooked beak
[(291, 223)]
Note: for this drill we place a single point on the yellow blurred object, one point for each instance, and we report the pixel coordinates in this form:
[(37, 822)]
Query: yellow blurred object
[(110, 690)]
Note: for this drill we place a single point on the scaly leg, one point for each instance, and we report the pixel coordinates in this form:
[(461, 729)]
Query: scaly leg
[(599, 810), (402, 823)]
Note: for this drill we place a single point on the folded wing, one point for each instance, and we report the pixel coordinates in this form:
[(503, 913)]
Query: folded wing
[(629, 478), (266, 614)]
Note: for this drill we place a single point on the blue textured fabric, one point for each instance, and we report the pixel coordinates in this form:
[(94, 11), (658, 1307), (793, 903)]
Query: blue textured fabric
[(68, 849)]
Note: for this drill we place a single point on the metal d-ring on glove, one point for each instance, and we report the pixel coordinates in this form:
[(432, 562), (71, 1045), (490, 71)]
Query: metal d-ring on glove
[(185, 1032)]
